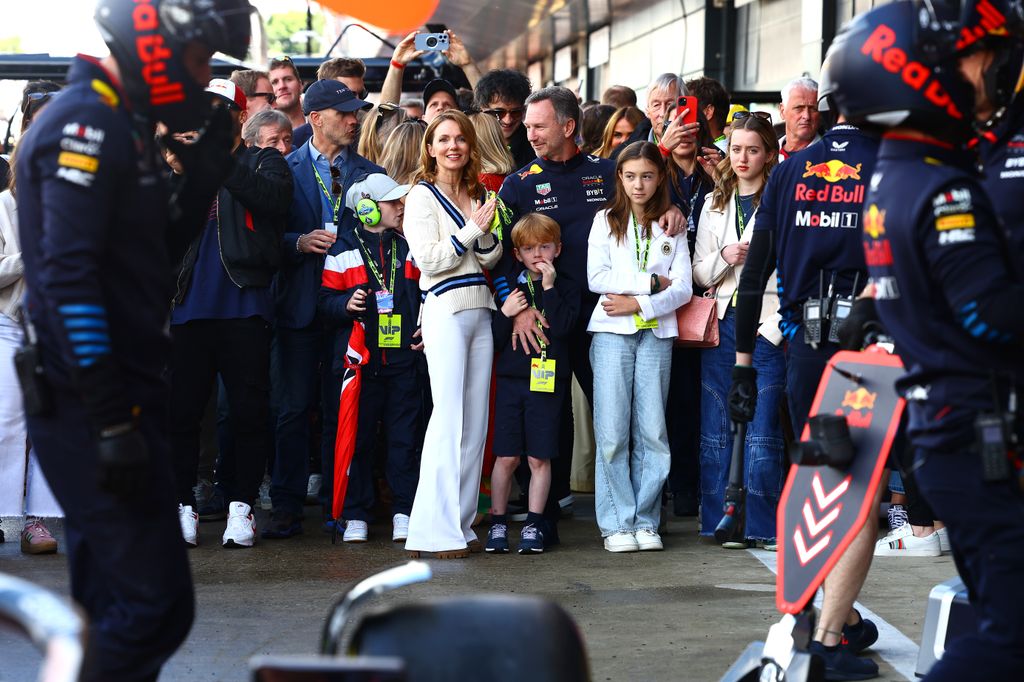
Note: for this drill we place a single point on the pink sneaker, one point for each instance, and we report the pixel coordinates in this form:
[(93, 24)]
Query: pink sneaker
[(37, 539)]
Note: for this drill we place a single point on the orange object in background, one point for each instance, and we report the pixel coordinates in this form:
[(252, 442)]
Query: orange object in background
[(397, 16)]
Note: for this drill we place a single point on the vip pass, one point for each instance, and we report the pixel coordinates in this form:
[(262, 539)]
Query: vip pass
[(542, 370)]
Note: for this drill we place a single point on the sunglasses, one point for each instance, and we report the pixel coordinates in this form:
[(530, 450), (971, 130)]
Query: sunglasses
[(502, 113), (271, 97), (37, 99), (335, 177), (763, 115)]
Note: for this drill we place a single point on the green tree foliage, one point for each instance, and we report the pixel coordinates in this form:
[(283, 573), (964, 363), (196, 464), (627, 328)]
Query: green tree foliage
[(282, 28)]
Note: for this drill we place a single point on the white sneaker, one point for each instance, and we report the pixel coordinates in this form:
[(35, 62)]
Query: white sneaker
[(400, 528), (621, 542), (356, 531), (944, 545), (903, 542), (648, 540), (313, 488), (189, 520), (241, 529)]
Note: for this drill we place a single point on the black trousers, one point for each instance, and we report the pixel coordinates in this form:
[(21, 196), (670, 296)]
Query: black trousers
[(238, 350)]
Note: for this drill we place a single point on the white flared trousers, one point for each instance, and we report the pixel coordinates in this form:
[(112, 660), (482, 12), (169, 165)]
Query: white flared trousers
[(459, 351)]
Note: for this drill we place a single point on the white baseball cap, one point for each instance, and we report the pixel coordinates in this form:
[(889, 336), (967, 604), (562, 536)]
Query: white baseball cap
[(229, 92), (376, 186)]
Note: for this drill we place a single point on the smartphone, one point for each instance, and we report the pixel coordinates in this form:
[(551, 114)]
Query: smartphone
[(432, 42), (687, 102)]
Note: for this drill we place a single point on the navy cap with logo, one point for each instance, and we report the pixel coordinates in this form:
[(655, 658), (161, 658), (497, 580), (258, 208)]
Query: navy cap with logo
[(331, 94)]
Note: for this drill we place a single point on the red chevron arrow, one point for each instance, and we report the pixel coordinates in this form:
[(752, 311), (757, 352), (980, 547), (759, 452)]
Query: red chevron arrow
[(813, 524), (819, 492), (804, 554)]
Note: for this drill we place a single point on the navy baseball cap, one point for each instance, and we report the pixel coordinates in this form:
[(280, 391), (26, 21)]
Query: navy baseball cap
[(331, 94), (439, 85)]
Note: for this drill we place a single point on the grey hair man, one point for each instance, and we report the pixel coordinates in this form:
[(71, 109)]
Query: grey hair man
[(268, 128), (799, 111), (662, 94)]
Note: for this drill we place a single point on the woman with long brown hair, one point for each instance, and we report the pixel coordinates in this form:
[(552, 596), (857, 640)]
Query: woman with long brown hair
[(400, 155), (448, 226), (495, 158), (642, 275), (618, 129), (726, 226)]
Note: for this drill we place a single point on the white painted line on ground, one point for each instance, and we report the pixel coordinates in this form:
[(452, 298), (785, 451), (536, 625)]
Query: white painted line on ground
[(894, 647)]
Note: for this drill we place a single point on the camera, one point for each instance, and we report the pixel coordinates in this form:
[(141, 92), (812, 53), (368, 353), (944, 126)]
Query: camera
[(830, 443), (432, 42)]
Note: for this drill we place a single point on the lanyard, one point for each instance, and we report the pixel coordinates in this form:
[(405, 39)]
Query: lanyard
[(740, 222), (336, 201), (641, 261), (533, 304), (373, 266)]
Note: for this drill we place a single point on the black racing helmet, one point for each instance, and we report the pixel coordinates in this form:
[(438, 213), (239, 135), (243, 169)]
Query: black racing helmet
[(884, 70), (148, 40), (996, 25)]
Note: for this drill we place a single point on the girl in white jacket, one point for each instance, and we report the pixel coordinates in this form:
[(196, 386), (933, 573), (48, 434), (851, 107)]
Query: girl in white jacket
[(643, 275)]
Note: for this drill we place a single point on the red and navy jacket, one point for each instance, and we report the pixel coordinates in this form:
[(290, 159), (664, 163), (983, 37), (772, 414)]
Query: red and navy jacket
[(1001, 152), (945, 287), (571, 192), (345, 271), (808, 223), (96, 240)]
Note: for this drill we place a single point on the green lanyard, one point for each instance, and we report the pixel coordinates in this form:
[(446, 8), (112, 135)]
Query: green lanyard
[(373, 266), (336, 202), (533, 304), (641, 261), (740, 222)]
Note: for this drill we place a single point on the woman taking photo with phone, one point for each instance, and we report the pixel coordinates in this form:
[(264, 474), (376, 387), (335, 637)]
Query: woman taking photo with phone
[(448, 226), (726, 226), (642, 275)]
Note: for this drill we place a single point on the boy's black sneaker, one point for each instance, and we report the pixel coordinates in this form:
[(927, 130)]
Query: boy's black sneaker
[(282, 525), (840, 664), (859, 637), (531, 540), (497, 539)]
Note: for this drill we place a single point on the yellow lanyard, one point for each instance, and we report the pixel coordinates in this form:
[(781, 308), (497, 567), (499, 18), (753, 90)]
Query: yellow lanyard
[(336, 201)]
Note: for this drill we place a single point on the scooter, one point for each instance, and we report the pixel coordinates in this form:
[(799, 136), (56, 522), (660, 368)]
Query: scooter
[(466, 637)]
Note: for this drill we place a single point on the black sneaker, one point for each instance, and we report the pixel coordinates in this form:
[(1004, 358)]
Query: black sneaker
[(497, 539), (840, 664), (282, 525), (859, 637), (214, 508), (531, 540)]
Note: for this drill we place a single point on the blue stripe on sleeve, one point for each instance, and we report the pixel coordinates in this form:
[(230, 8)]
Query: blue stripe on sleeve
[(101, 337), (77, 309), (92, 349), (85, 323), (459, 248)]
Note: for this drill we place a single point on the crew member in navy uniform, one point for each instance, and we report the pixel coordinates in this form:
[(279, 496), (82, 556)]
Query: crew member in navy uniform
[(808, 231), (945, 289), (100, 230)]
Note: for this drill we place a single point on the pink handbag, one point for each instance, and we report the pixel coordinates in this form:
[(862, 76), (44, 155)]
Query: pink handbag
[(698, 322)]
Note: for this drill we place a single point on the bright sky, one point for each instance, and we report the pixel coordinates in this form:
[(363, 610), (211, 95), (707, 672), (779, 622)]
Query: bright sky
[(68, 27)]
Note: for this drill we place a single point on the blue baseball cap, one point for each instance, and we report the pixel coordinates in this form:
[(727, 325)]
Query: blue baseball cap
[(331, 94)]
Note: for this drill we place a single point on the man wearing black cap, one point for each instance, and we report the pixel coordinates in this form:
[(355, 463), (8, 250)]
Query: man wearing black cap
[(323, 169), (438, 96), (220, 324)]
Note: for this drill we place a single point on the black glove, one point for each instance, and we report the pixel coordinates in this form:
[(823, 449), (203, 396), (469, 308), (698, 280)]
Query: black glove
[(123, 460), (743, 394), (862, 320)]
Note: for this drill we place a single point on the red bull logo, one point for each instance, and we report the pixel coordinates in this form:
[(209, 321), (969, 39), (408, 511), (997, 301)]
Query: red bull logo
[(990, 22), (879, 47), (832, 171), (532, 170), (861, 399), (874, 222)]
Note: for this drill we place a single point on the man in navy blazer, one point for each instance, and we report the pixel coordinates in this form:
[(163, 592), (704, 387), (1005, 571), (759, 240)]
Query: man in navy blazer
[(323, 169)]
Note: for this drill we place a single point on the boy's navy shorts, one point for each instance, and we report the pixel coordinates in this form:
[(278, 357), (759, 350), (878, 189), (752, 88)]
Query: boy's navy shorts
[(525, 422)]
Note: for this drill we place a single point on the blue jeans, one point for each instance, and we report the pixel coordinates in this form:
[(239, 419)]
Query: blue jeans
[(631, 376), (764, 449)]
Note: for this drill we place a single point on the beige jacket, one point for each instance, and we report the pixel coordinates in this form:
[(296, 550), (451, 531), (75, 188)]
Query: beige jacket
[(716, 230), (12, 280)]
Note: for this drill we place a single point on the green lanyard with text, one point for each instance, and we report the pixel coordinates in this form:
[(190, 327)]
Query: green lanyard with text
[(641, 262), (740, 222), (533, 304), (373, 266), (336, 201)]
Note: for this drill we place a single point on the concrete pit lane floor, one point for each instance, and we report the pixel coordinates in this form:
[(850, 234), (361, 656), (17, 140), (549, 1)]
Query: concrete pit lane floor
[(682, 614)]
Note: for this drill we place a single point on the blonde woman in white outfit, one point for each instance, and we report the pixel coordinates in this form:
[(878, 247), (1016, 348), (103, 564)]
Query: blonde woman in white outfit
[(448, 224), (726, 225)]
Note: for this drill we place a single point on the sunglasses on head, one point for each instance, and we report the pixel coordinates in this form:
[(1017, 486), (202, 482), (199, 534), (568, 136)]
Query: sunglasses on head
[(763, 115), (502, 113)]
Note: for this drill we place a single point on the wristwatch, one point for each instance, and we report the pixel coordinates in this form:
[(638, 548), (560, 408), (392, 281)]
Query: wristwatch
[(655, 284)]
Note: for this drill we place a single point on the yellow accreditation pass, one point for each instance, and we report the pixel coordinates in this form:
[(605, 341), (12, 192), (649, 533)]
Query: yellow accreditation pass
[(542, 375), (389, 331), (641, 323)]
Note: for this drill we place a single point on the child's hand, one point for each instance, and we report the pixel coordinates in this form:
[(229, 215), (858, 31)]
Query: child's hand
[(357, 304), (514, 304), (618, 305), (548, 274)]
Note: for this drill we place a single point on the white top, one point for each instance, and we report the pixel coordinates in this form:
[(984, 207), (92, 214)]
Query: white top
[(12, 280), (717, 230), (612, 268)]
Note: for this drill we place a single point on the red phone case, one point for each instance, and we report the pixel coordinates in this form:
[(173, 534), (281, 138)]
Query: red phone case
[(687, 102)]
